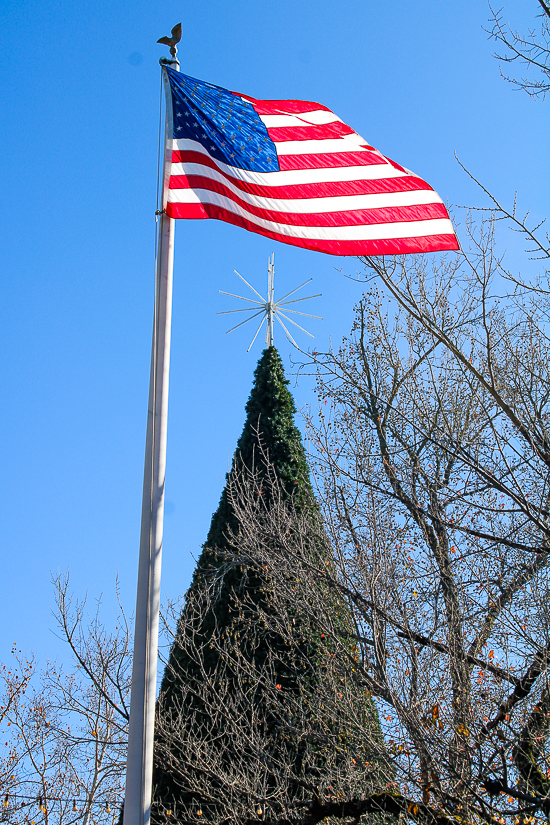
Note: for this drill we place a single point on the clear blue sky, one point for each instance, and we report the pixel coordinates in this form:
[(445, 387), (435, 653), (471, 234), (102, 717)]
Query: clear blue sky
[(79, 119)]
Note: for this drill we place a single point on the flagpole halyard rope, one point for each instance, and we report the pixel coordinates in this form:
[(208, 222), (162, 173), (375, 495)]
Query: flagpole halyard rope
[(159, 150)]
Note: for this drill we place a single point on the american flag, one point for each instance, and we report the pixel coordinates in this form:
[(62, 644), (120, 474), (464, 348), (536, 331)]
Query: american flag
[(293, 171)]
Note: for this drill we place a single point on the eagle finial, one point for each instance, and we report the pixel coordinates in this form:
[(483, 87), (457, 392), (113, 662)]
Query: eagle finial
[(173, 40)]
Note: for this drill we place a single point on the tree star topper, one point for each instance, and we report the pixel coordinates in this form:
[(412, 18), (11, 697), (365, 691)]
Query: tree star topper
[(269, 308)]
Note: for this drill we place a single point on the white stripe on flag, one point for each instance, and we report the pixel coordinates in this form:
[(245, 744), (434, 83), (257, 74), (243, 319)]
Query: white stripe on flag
[(317, 118), (349, 143)]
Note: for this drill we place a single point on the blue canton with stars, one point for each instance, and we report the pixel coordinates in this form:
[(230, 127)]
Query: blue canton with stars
[(226, 125)]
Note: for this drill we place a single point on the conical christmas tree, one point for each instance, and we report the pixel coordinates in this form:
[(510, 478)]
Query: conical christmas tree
[(238, 722)]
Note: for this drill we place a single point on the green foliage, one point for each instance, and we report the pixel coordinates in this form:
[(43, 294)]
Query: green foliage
[(270, 415)]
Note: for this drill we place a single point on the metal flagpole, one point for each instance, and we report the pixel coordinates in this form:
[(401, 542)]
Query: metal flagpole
[(139, 766)]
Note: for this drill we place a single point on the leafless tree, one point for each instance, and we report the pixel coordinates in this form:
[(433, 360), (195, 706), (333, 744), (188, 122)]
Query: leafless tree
[(432, 456), (65, 731), (531, 51)]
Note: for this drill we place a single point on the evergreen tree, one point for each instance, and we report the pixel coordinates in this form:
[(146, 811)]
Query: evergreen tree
[(219, 629)]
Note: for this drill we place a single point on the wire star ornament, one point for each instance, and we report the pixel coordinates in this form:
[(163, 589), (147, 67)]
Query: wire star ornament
[(269, 309)]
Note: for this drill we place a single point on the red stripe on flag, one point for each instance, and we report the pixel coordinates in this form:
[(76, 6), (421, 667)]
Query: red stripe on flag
[(289, 163), (328, 189), (348, 217), (392, 246), (284, 107), (309, 132), (330, 160)]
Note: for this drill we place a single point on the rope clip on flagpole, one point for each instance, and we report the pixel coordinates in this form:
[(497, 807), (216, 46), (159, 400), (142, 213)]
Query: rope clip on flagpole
[(139, 767)]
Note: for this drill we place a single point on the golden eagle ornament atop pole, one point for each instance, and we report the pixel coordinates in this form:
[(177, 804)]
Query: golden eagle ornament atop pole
[(173, 40)]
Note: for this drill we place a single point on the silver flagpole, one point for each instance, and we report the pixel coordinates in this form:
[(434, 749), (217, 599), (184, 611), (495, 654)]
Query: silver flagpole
[(139, 767)]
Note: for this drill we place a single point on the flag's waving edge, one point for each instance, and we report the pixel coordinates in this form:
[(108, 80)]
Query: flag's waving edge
[(293, 171)]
